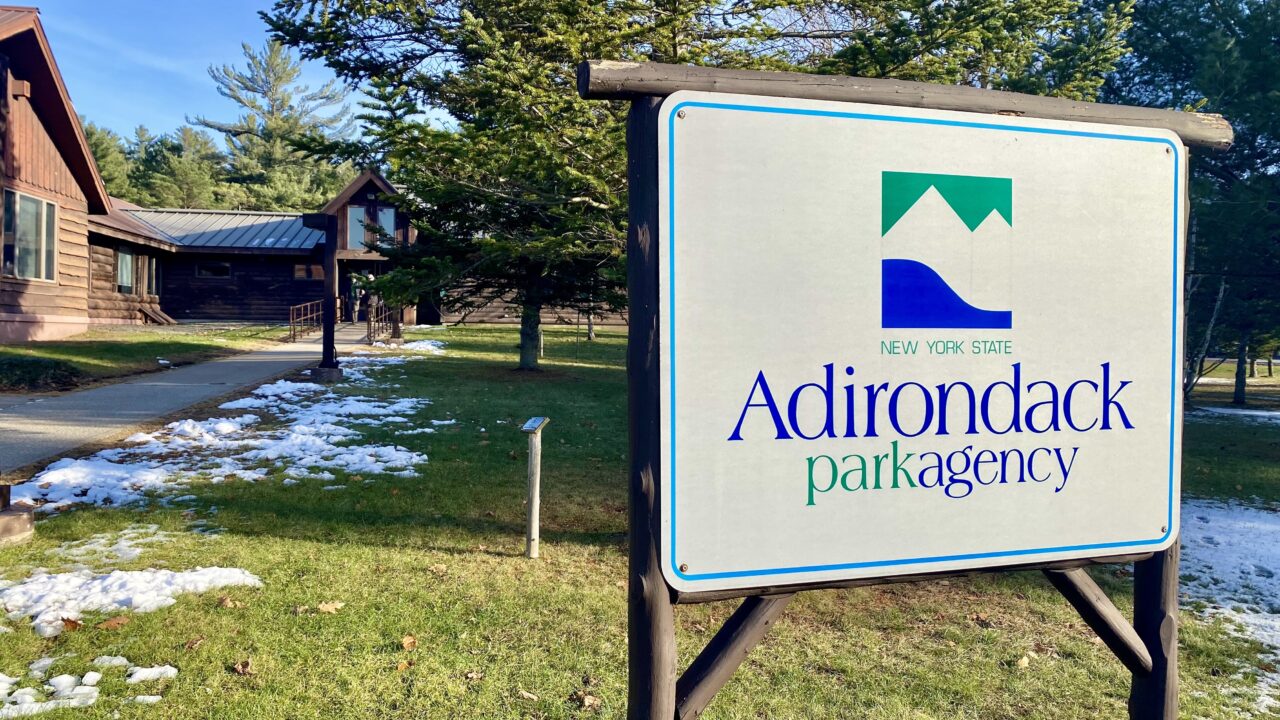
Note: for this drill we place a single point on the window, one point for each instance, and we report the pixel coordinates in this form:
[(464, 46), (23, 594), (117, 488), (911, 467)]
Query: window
[(153, 276), (359, 235), (308, 272), (124, 271), (215, 270), (387, 221), (30, 238), (355, 227)]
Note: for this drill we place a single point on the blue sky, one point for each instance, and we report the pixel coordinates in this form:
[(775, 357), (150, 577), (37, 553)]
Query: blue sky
[(143, 62)]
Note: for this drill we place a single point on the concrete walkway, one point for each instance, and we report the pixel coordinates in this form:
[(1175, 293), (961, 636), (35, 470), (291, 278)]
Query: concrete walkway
[(40, 427)]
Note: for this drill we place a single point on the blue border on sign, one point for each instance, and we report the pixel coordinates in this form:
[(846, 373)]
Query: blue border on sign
[(671, 321)]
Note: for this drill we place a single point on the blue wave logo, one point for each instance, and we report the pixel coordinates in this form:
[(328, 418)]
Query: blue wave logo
[(913, 294)]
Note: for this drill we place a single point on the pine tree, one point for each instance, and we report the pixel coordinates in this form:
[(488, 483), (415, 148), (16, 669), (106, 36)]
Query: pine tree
[(109, 154), (1219, 57), (520, 191), (278, 115)]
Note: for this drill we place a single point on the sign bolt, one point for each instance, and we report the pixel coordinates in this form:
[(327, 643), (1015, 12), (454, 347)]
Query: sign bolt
[(680, 114), (684, 567), (1164, 528)]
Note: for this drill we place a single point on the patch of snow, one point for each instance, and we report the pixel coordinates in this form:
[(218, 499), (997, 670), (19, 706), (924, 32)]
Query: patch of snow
[(91, 678), (148, 674), (106, 661), (1216, 413), (419, 431), (146, 699), (49, 598), (40, 668), (334, 487), (444, 422), (123, 546), (1231, 562), (435, 347)]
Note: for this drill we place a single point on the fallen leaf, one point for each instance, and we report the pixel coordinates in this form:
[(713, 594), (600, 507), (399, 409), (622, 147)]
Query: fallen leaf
[(301, 609), (114, 623), (585, 700), (357, 478), (395, 491), (244, 667), (527, 695), (590, 681), (331, 608), (404, 665), (227, 601), (474, 675), (1023, 662), (439, 569), (194, 643), (71, 624), (409, 642), (981, 620)]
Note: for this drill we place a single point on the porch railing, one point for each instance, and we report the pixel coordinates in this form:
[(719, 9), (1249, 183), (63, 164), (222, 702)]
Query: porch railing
[(307, 318), (377, 320)]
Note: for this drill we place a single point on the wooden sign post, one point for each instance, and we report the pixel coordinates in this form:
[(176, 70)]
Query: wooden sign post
[(695, 541), (328, 370)]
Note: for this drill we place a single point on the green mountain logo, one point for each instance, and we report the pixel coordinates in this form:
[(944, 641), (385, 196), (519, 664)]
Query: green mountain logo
[(972, 198), (913, 294)]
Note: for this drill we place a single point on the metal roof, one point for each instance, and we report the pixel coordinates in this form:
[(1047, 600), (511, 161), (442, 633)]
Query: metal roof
[(231, 229)]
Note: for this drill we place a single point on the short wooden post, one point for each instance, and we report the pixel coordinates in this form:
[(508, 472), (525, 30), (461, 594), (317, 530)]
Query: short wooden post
[(1154, 696), (541, 343), (534, 429)]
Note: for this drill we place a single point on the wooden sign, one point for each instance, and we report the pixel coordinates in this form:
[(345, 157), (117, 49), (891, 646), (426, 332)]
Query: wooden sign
[(900, 341)]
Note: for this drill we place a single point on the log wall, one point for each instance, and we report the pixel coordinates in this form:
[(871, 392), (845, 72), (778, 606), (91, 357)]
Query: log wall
[(261, 288), (106, 304)]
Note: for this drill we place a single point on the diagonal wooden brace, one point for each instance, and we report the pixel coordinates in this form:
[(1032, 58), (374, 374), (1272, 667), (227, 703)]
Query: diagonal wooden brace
[(713, 667), (1100, 614)]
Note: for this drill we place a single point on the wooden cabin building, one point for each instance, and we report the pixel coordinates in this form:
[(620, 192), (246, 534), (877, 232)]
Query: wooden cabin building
[(50, 187)]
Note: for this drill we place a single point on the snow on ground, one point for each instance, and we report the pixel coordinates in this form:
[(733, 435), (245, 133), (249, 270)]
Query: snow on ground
[(1231, 562), (49, 598), (302, 426), (69, 691), (122, 546), (1228, 413), (435, 347)]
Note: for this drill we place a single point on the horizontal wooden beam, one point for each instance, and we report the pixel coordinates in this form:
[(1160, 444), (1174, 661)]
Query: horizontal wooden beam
[(691, 598), (1100, 614), (611, 80), (713, 667)]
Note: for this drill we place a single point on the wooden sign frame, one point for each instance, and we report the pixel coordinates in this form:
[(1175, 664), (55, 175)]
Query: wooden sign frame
[(1147, 647)]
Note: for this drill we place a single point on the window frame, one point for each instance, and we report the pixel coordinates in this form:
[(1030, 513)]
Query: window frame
[(308, 272), (220, 278), (132, 265), (43, 253), (369, 233)]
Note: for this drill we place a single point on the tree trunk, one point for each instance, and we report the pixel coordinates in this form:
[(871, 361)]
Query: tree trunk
[(395, 323), (1242, 357), (530, 321), (1269, 367), (1253, 367), (591, 326), (1190, 378)]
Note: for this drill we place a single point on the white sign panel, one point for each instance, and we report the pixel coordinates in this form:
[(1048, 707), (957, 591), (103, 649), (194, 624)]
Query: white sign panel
[(898, 341)]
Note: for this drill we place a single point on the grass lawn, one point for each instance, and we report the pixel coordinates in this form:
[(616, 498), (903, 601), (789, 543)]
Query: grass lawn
[(117, 351), (439, 557)]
